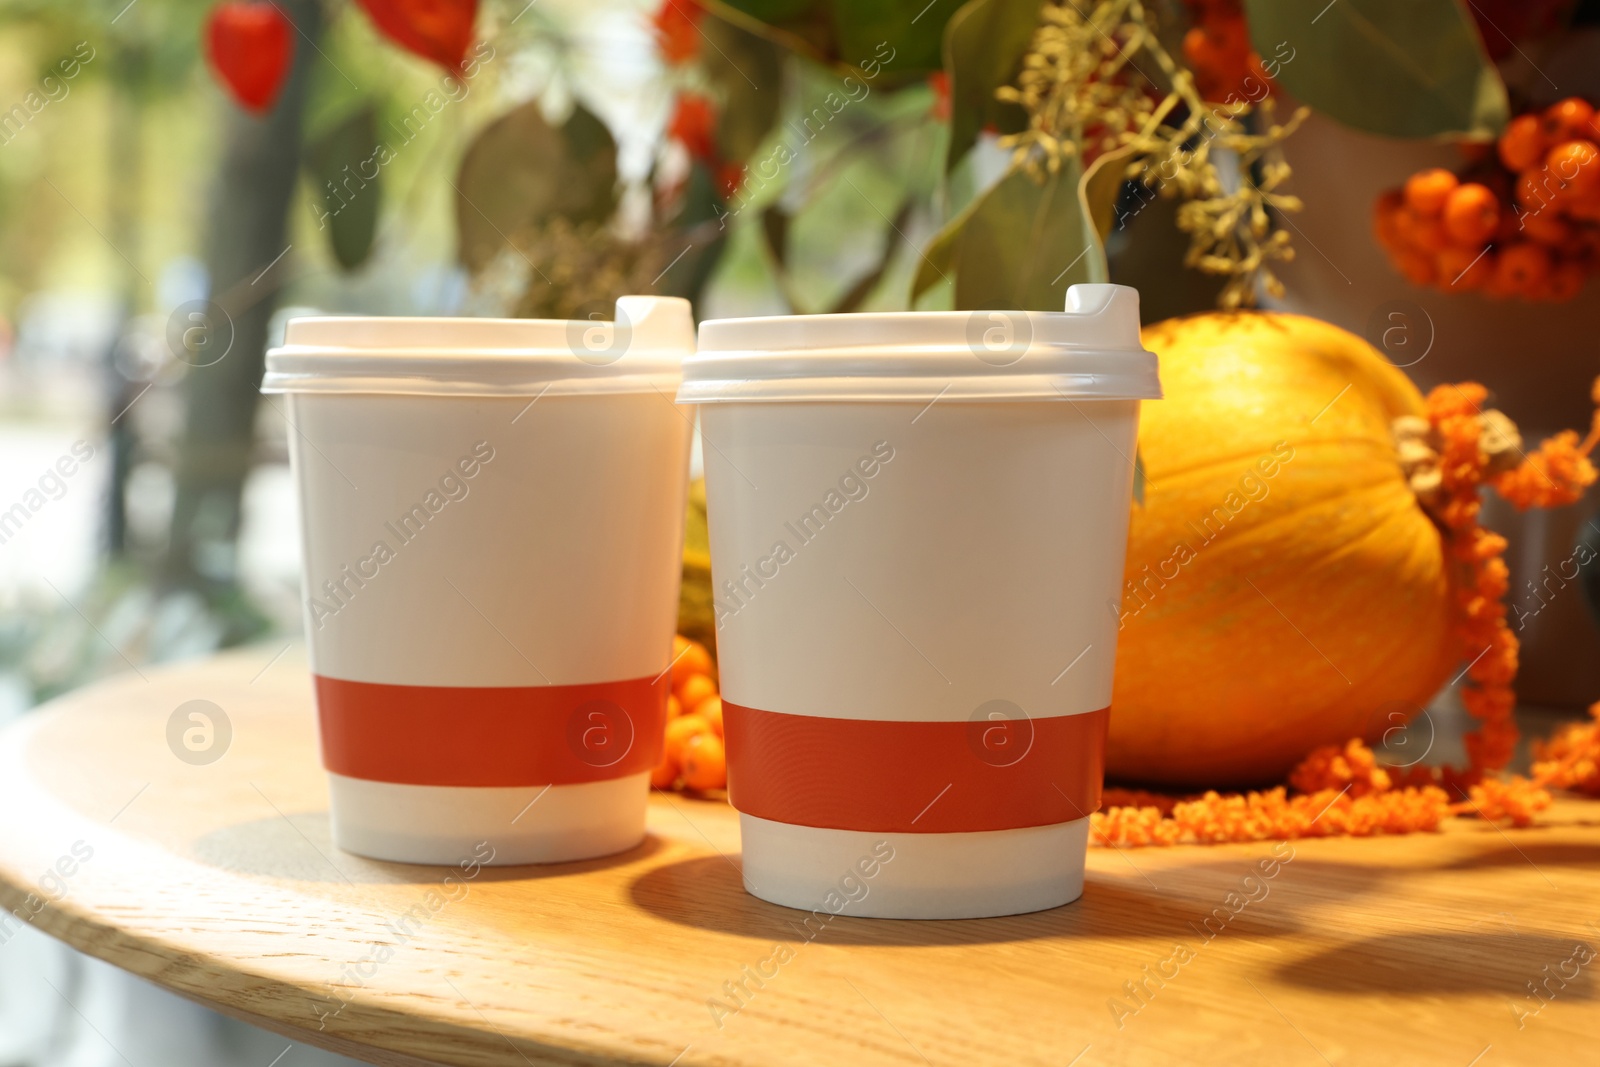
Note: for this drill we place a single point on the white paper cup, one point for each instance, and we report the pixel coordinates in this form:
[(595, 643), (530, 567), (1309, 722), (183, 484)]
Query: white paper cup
[(492, 516), (918, 524)]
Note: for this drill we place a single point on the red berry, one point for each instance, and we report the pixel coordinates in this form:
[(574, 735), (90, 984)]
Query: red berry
[(250, 45)]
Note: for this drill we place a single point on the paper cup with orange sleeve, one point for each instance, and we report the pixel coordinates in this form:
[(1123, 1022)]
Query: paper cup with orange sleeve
[(492, 515), (918, 524)]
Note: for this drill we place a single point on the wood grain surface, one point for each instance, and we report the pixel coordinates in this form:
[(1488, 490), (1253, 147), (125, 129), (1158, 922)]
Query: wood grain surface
[(219, 881)]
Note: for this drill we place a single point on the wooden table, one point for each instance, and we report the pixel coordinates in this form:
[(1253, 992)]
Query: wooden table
[(218, 881)]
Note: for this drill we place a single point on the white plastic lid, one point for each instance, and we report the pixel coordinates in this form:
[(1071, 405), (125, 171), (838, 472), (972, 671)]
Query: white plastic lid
[(1089, 351), (642, 349)]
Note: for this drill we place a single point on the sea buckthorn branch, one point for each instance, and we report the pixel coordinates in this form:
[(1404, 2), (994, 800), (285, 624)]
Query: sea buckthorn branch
[(1521, 220), (1571, 759), (1448, 455)]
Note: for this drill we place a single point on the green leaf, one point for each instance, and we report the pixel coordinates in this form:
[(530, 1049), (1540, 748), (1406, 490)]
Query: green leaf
[(747, 71), (344, 165), (521, 171), (1102, 187), (1138, 476), (895, 42), (703, 236), (907, 37), (775, 231), (983, 47), (801, 26), (1415, 68), (1025, 243), (938, 260), (777, 12)]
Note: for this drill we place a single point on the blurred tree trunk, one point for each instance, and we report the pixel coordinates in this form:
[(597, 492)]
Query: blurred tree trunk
[(125, 195), (247, 229)]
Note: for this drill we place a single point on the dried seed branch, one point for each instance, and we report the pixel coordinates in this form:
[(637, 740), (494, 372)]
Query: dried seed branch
[(1085, 93)]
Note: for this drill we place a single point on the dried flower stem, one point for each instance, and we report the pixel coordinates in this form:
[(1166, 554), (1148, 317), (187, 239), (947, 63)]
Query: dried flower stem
[(1085, 95)]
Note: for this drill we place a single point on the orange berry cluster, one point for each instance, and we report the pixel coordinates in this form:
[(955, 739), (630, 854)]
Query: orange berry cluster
[(1272, 815), (1479, 582), (1571, 759), (693, 756), (1217, 48), (1523, 224)]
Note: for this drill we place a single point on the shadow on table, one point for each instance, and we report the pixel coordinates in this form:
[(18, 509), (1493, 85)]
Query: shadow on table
[(1449, 962), (1183, 904), (300, 848), (1536, 854)]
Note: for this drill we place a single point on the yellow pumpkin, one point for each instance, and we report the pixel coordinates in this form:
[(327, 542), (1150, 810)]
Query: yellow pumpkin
[(1284, 589), (696, 615)]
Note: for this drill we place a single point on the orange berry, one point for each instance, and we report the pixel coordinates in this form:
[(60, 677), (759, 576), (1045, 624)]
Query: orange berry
[(1386, 218), (1523, 267), (1523, 143), (1545, 227), (1426, 190), (665, 773), (1566, 281), (1576, 164), (1537, 187), (694, 690), (1508, 230), (1585, 209), (705, 763), (689, 660), (1566, 119), (1463, 268), (1499, 286), (1471, 215), (679, 731), (674, 708), (1422, 234), (1230, 34), (1418, 267), (710, 710), (1199, 49)]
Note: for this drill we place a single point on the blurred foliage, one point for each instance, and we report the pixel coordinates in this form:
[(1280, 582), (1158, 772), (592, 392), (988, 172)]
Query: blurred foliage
[(848, 35), (340, 161), (1414, 69), (522, 172), (983, 47)]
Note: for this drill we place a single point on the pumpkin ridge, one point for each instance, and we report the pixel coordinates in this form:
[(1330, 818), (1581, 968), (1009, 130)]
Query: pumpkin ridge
[(1243, 461)]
